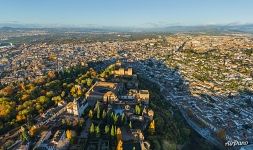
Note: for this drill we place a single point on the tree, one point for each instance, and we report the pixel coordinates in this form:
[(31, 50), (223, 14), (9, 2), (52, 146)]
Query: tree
[(43, 99), (40, 80), (93, 72), (21, 86), (76, 91), (186, 132), (25, 135), (119, 145), (73, 90), (90, 114), (51, 74), (33, 131), (112, 114), (7, 107), (103, 74), (119, 134), (97, 106), (79, 91), (107, 129), (98, 113), (89, 82), (25, 97), (63, 121), (50, 94), (62, 93), (97, 131), (221, 133), (137, 110), (152, 127), (7, 91), (130, 125), (92, 128), (112, 131), (104, 114), (81, 122), (20, 117), (57, 99), (69, 134), (115, 118)]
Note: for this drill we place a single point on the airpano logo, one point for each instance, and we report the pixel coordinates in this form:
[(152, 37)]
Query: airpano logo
[(236, 143)]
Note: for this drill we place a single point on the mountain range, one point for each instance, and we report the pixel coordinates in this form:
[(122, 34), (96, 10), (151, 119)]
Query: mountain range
[(244, 28)]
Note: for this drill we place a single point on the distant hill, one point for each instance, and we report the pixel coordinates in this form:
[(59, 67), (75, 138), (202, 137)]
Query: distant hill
[(207, 28), (247, 28)]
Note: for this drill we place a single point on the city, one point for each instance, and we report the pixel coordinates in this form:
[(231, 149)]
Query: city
[(120, 76)]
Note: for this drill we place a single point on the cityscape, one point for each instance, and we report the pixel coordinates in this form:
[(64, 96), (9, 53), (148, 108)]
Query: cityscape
[(125, 84)]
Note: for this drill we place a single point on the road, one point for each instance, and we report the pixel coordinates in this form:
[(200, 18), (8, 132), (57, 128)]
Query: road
[(204, 132)]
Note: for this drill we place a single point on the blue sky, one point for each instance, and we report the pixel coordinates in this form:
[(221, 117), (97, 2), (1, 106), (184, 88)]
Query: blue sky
[(126, 13)]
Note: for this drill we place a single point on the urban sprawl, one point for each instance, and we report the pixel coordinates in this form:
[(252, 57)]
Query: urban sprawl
[(207, 77)]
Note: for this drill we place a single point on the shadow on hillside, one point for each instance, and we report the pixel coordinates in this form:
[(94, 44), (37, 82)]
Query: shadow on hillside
[(175, 89)]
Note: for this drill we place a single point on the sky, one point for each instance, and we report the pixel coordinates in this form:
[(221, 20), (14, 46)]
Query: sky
[(126, 13)]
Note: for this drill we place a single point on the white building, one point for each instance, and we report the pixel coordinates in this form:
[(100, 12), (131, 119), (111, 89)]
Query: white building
[(77, 107)]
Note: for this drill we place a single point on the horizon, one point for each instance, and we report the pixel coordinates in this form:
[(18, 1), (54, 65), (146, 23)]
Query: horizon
[(121, 14), (126, 74), (21, 25)]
